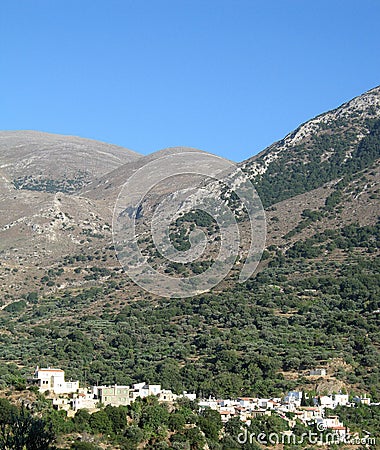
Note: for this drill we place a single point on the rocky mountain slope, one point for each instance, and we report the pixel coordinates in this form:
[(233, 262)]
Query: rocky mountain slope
[(332, 145), (42, 215), (313, 302), (55, 163)]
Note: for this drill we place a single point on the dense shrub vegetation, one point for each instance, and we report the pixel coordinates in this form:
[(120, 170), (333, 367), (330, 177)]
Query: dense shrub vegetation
[(289, 175), (153, 425), (304, 309)]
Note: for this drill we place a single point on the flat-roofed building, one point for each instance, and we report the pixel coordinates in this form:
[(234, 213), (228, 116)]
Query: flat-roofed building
[(53, 380), (113, 395)]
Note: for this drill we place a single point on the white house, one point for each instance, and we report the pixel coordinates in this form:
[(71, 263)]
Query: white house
[(248, 401), (53, 380), (333, 400), (112, 395), (191, 396), (332, 424), (309, 413), (326, 401), (61, 403), (124, 395), (210, 403), (340, 399), (293, 398), (364, 400), (84, 400), (226, 415), (264, 403), (318, 372), (166, 395), (141, 390)]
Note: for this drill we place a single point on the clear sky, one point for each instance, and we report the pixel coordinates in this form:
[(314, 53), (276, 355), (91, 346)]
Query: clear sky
[(226, 76)]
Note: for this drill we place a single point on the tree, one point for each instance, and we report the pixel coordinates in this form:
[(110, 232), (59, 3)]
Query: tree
[(7, 411), (100, 422), (81, 420), (20, 431), (118, 418), (84, 446), (210, 423), (176, 421), (234, 427), (32, 297), (133, 436), (191, 436), (154, 416)]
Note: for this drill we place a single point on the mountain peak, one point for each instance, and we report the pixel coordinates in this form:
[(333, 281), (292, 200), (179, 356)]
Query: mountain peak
[(316, 152), (30, 158)]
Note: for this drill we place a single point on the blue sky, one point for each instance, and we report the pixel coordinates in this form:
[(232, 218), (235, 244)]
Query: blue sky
[(226, 76)]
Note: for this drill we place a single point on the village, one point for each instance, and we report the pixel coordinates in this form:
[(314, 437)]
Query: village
[(69, 396)]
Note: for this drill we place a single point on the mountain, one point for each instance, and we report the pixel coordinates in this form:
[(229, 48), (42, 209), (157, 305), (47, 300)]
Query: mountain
[(323, 175), (50, 162), (314, 301), (332, 145), (108, 186), (41, 174)]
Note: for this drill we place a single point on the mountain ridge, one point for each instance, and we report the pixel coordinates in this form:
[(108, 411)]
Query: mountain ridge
[(316, 147), (32, 158), (313, 300)]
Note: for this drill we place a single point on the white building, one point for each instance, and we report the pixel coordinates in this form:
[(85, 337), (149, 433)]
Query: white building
[(210, 403), (340, 399), (332, 424), (141, 390), (61, 403), (53, 380), (124, 395), (363, 400), (333, 400), (327, 401), (318, 372), (265, 403), (293, 398), (166, 395), (112, 395), (192, 397), (247, 402), (307, 413), (84, 399)]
